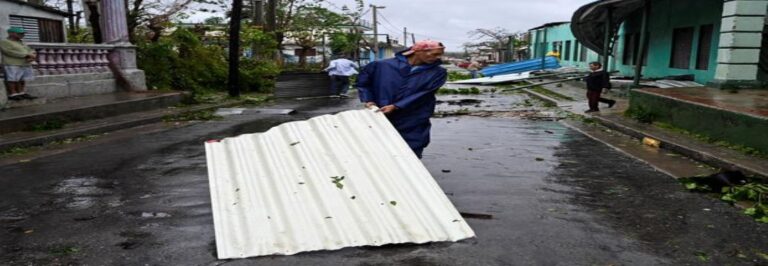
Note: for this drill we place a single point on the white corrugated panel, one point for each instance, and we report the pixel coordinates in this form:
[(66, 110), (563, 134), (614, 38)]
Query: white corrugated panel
[(330, 182), (495, 79)]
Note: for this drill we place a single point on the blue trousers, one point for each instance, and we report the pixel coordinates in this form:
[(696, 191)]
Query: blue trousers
[(339, 84)]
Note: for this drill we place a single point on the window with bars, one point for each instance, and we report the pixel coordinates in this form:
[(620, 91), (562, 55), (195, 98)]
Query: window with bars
[(567, 52), (39, 29)]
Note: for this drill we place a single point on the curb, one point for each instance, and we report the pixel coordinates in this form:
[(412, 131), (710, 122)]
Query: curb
[(684, 150), (666, 144), (98, 129)]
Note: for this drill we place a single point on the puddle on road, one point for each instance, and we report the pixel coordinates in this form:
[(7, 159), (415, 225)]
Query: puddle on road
[(83, 192)]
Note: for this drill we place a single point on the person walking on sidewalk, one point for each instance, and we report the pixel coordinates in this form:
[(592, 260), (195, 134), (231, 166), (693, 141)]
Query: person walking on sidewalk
[(340, 70), (404, 88), (17, 59), (598, 81)]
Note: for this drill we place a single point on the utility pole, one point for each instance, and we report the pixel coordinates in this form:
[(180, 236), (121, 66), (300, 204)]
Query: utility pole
[(510, 48), (257, 20), (376, 32), (234, 48), (413, 38), (257, 12), (271, 24), (405, 36)]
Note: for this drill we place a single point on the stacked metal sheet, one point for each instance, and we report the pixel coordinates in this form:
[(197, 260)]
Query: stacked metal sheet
[(522, 66), (330, 182)]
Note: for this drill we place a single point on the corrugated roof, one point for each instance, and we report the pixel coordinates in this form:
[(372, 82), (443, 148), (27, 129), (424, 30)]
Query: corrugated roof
[(330, 182)]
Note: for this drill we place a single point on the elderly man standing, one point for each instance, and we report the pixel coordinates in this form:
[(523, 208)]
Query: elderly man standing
[(404, 88), (17, 59), (340, 70)]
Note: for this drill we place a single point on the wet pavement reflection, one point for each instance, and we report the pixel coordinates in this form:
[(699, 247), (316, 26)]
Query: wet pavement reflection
[(554, 197)]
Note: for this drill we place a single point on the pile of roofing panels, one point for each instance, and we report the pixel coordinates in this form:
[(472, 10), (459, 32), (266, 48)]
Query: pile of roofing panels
[(522, 66)]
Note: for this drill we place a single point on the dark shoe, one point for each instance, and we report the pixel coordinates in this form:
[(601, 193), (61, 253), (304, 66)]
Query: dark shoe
[(611, 104), (591, 111), (27, 96), (16, 97)]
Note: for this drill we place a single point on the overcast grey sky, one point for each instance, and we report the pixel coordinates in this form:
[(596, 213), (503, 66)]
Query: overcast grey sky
[(449, 21)]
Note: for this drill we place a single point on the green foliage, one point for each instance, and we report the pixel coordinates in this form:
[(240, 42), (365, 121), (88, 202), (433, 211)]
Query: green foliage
[(454, 76), (81, 35), (463, 91), (337, 181), (182, 62), (447, 91), (60, 251), (756, 194), (342, 43), (641, 114), (753, 192), (204, 115)]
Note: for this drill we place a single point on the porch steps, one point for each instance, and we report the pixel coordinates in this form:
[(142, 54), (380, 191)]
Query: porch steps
[(90, 115), (76, 109)]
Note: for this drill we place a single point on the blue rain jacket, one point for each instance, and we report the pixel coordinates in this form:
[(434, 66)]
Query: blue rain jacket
[(411, 89)]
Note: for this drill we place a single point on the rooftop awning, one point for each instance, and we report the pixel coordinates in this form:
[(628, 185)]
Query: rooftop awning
[(588, 22)]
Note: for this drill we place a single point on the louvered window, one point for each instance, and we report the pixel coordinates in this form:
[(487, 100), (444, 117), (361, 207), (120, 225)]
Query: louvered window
[(39, 29)]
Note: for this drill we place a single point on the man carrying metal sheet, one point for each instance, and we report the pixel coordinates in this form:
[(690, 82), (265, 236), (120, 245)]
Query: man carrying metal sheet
[(404, 88)]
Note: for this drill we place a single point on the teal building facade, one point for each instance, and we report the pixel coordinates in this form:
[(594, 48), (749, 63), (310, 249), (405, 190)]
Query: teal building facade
[(719, 43)]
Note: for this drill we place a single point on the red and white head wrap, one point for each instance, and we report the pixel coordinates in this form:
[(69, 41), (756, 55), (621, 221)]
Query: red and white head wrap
[(424, 46)]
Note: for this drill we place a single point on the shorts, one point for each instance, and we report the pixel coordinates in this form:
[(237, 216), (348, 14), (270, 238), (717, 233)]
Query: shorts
[(18, 73)]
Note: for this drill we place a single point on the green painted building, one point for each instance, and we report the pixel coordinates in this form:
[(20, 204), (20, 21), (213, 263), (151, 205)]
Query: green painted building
[(718, 42)]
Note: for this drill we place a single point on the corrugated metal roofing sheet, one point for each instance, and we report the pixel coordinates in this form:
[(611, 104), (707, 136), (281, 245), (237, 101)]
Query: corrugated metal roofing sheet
[(330, 182)]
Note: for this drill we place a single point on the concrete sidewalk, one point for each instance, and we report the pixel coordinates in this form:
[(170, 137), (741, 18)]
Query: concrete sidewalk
[(613, 118)]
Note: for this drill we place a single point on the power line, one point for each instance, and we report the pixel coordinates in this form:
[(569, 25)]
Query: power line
[(387, 21)]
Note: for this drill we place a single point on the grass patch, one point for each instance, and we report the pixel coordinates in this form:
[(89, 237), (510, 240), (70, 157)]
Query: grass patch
[(581, 118), (17, 151), (551, 94), (641, 114), (53, 124), (256, 99), (725, 144)]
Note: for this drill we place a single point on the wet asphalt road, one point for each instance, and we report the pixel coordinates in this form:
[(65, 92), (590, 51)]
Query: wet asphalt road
[(557, 198)]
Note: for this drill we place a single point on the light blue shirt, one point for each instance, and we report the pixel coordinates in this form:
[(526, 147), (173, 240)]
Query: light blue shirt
[(342, 67)]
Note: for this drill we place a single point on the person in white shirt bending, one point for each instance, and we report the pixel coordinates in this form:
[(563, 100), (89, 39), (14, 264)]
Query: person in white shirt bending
[(340, 69)]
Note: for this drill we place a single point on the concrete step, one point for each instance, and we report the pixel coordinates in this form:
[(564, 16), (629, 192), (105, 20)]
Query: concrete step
[(102, 125), (69, 110)]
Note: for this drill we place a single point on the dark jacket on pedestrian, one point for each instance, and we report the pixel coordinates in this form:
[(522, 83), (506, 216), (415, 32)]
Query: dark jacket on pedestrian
[(598, 80), (411, 89)]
